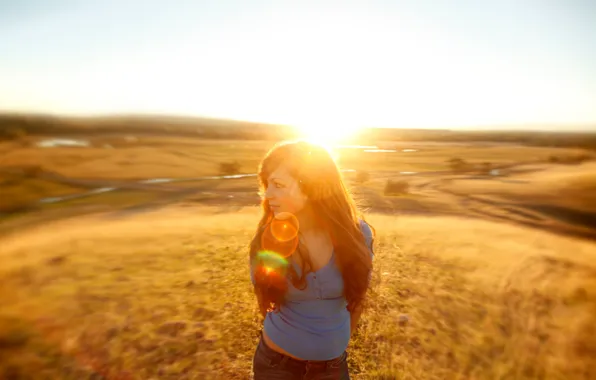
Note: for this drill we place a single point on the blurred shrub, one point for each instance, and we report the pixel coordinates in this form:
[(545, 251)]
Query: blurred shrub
[(394, 187), (362, 176), (229, 168), (573, 159), (458, 165), (31, 170), (485, 168), (13, 133), (582, 158), (13, 207)]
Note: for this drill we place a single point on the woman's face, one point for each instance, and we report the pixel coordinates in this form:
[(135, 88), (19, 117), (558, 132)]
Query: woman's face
[(283, 192)]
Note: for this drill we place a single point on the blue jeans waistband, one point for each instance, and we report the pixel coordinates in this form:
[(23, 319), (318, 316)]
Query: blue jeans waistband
[(279, 359)]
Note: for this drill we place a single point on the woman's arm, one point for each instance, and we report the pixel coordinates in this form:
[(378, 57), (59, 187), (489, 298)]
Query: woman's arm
[(256, 291), (355, 318), (261, 310), (356, 313)]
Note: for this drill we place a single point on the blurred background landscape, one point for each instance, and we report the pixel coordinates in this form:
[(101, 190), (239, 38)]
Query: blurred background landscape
[(130, 139), (59, 164)]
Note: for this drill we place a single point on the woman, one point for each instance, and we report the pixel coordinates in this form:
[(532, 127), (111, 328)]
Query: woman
[(310, 261)]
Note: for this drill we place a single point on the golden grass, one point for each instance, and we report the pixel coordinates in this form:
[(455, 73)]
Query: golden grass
[(569, 186), (145, 158), (114, 199), (434, 157), (175, 157), (167, 295), (151, 157), (17, 192)]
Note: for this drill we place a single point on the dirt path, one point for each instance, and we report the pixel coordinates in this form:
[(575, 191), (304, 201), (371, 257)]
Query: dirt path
[(549, 217), (430, 196)]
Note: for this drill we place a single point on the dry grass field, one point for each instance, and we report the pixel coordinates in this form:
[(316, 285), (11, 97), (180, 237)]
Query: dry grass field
[(29, 173), (571, 186), (141, 158), (172, 157), (166, 295), (475, 276)]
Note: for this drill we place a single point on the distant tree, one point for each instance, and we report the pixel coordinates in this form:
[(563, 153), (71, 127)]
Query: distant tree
[(458, 165), (574, 159), (31, 171), (486, 168), (14, 207), (13, 133), (362, 176), (582, 157), (229, 168), (396, 187)]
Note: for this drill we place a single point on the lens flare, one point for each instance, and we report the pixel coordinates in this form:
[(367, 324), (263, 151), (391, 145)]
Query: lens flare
[(278, 241), (284, 227), (272, 260), (270, 270), (281, 235)]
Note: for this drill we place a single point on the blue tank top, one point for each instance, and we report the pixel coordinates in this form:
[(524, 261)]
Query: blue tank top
[(314, 324)]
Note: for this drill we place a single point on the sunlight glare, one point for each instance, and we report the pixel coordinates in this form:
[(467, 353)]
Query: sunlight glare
[(328, 134)]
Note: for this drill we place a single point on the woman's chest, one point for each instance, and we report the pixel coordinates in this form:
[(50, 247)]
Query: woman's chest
[(327, 283)]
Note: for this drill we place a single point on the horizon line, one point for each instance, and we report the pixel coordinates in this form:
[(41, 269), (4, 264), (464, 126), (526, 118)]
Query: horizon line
[(519, 127)]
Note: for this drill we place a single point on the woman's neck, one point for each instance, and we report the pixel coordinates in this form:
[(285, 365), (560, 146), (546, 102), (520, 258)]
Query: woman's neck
[(307, 220)]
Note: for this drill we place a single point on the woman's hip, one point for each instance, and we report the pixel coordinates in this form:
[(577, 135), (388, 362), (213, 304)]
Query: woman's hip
[(271, 364)]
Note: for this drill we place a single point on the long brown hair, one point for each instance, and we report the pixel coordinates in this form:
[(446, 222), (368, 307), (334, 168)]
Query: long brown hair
[(321, 181)]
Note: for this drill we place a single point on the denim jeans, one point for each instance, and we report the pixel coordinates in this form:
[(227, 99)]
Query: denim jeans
[(272, 365)]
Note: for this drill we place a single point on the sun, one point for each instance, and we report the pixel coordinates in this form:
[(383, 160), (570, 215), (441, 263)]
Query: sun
[(328, 133)]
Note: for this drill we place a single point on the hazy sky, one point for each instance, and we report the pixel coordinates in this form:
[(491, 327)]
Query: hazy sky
[(419, 63)]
